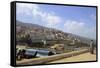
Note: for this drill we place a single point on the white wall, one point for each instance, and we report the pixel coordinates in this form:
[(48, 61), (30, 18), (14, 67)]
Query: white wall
[(5, 34)]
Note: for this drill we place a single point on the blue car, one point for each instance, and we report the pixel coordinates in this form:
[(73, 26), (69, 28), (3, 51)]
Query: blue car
[(37, 53), (32, 53)]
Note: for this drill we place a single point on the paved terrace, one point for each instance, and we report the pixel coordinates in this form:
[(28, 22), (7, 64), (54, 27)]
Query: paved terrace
[(78, 58), (75, 56)]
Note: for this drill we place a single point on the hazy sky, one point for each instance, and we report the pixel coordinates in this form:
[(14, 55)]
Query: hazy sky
[(72, 19)]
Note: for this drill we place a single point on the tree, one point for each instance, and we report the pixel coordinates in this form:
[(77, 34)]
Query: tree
[(24, 38)]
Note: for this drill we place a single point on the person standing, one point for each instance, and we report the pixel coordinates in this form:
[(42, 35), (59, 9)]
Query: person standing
[(91, 47)]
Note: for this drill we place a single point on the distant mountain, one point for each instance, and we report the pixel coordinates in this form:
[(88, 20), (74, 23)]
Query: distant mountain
[(40, 32), (29, 25)]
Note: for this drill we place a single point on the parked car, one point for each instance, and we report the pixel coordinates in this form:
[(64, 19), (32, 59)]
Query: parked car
[(32, 53)]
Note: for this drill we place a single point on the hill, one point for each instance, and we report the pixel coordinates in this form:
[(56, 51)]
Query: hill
[(27, 32)]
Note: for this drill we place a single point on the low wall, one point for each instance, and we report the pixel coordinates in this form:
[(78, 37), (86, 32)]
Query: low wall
[(51, 58)]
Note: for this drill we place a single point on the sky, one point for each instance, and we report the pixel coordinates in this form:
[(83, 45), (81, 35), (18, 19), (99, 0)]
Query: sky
[(72, 19)]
